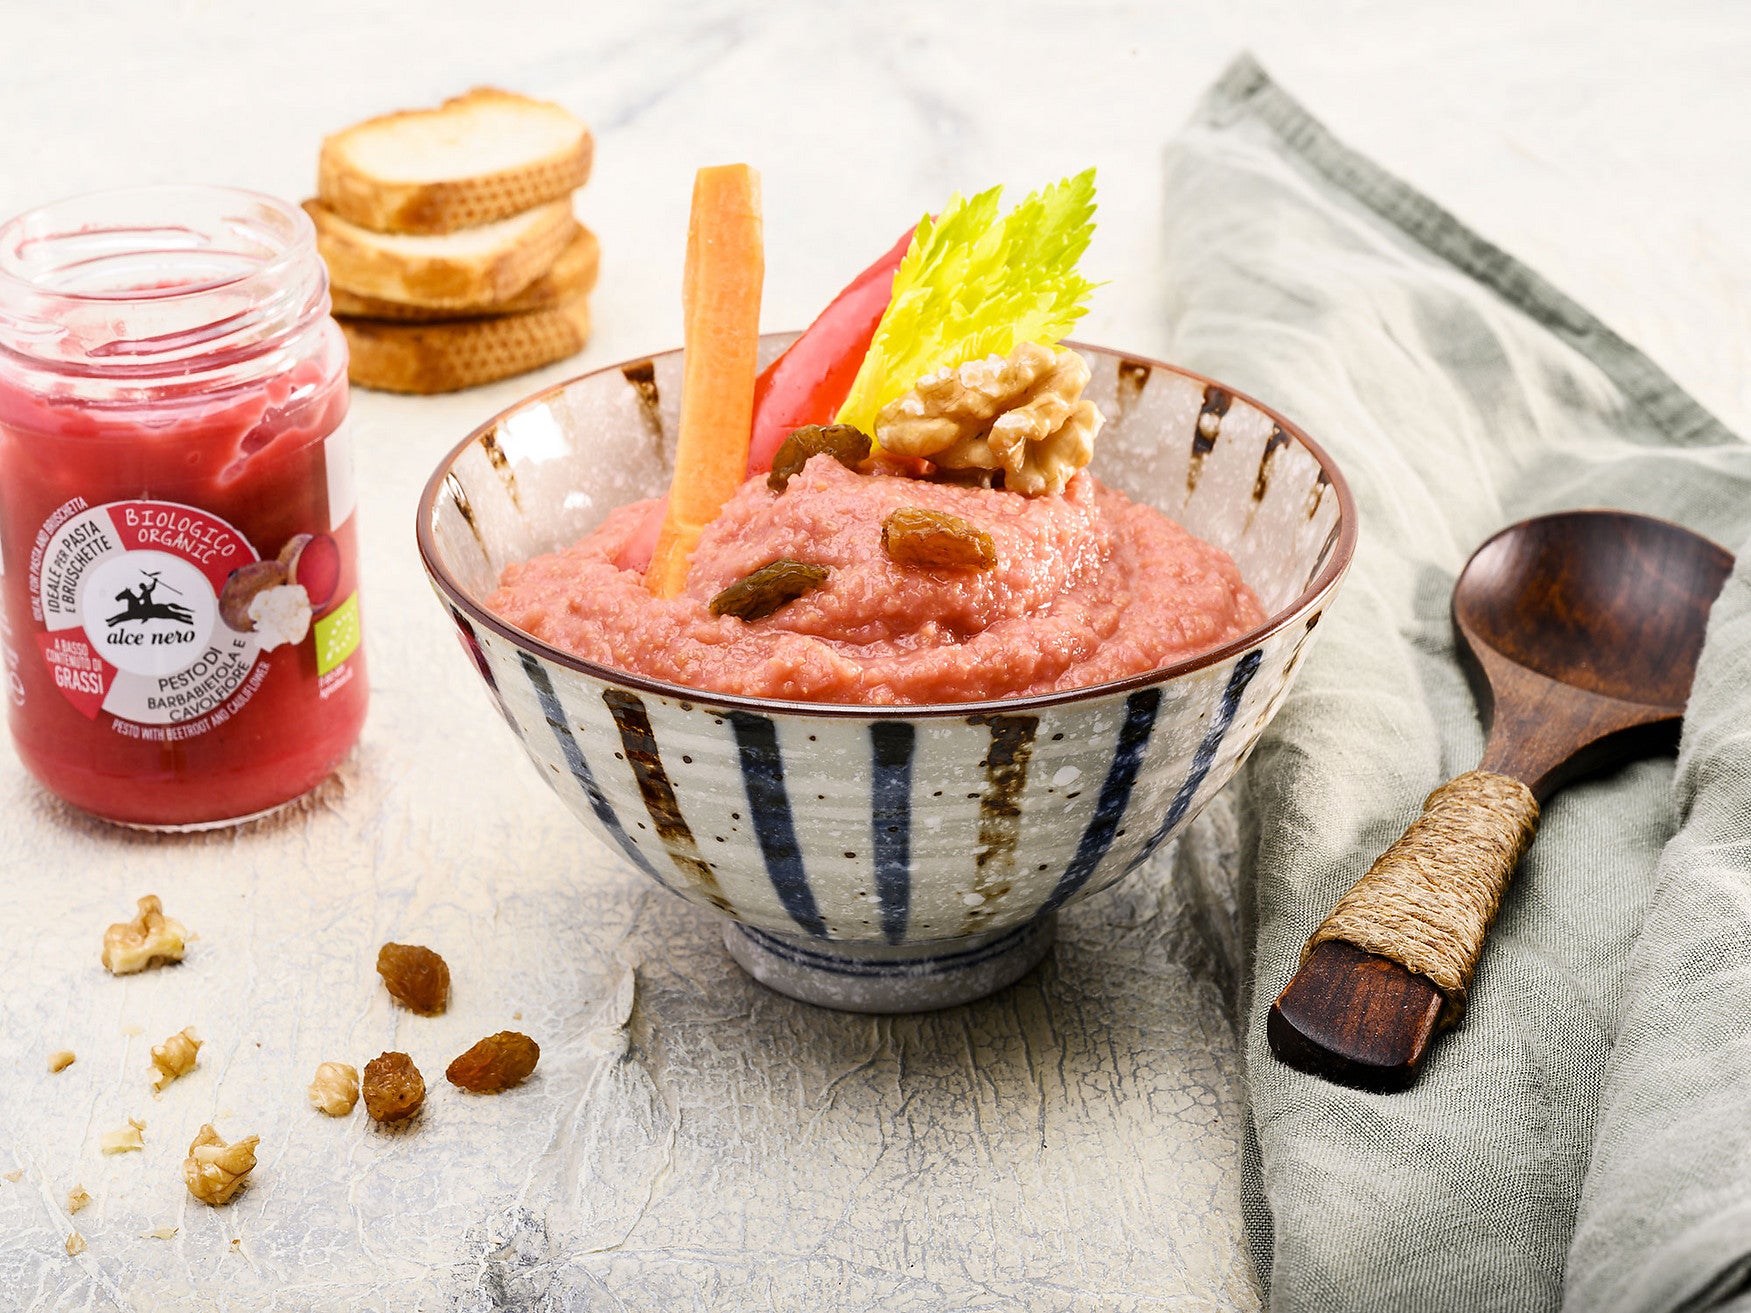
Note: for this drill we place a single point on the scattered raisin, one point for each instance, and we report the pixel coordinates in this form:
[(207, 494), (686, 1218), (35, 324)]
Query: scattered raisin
[(496, 1063), (845, 444), (934, 540), (758, 595), (417, 977), (393, 1087)]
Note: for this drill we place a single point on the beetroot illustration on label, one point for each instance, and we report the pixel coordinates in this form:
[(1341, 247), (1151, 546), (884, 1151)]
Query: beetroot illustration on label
[(160, 614)]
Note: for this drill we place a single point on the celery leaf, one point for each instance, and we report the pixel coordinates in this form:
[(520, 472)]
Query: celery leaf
[(978, 283)]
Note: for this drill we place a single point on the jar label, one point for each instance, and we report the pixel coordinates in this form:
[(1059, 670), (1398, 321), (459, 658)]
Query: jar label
[(159, 613)]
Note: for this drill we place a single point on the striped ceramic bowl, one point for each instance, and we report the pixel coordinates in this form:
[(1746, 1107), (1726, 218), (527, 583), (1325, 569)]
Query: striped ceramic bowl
[(889, 859)]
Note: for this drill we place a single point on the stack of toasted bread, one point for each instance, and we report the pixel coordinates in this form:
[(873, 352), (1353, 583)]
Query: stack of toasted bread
[(453, 257)]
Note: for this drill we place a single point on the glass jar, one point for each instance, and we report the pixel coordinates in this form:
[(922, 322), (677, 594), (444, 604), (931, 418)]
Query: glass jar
[(178, 549)]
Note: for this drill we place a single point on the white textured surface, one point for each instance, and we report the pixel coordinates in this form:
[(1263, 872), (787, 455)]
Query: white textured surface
[(1069, 1145)]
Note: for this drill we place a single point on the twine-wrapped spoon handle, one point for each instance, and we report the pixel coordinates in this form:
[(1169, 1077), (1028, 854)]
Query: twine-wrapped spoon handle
[(1424, 907), (1429, 900)]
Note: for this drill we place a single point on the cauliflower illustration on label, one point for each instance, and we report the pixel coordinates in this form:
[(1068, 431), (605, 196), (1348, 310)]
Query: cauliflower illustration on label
[(280, 615)]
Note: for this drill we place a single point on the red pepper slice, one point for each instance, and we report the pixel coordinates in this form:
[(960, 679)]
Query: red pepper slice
[(636, 552), (805, 385), (810, 381)]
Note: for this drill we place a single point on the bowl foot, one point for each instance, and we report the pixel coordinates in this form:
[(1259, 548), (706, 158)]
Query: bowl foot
[(856, 977)]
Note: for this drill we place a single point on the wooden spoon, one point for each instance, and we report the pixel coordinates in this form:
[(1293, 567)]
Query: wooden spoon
[(1580, 633)]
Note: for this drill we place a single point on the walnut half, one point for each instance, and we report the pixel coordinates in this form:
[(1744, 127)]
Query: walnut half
[(1022, 413), (151, 937), (215, 1170)]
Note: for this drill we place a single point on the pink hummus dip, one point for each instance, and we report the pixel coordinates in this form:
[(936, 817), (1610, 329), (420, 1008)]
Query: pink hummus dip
[(1089, 587)]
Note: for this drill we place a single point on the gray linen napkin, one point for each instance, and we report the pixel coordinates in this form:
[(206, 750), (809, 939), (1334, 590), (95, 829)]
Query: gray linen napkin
[(1665, 1218), (1460, 392)]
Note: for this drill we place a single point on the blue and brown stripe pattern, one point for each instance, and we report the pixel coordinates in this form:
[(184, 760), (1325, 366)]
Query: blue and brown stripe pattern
[(554, 714), (1141, 708), (982, 835), (769, 804), (891, 744), (659, 795), (1006, 772)]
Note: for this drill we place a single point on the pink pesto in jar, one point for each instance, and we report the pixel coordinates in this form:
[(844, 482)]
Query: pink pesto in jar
[(1089, 587)]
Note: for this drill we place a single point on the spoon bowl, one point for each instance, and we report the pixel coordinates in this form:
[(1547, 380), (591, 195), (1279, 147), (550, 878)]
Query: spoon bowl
[(1581, 632)]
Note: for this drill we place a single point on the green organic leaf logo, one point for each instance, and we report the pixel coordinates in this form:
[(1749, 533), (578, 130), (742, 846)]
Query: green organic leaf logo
[(337, 635)]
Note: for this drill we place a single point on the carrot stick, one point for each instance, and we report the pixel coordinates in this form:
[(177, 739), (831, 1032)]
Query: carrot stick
[(726, 266)]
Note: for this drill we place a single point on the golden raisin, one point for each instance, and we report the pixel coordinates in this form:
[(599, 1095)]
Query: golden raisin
[(496, 1063), (758, 595), (417, 977), (935, 540), (845, 444), (393, 1087)]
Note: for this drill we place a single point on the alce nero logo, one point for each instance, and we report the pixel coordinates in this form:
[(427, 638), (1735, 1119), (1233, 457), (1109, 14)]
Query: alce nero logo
[(142, 606)]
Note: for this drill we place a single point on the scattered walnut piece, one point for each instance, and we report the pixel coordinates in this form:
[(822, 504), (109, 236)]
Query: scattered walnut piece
[(15, 1175), (127, 1140), (61, 1059), (159, 1233), (496, 1063), (1022, 414), (75, 1244), (335, 1089), (393, 1087), (151, 937), (215, 1170), (417, 977), (175, 1057), (935, 540), (77, 1199)]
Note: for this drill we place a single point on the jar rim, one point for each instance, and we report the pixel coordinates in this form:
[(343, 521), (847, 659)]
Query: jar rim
[(138, 280), (303, 235)]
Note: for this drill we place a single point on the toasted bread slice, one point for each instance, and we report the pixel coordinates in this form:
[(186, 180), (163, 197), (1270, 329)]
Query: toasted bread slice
[(452, 271), (462, 353), (573, 274), (477, 158)]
